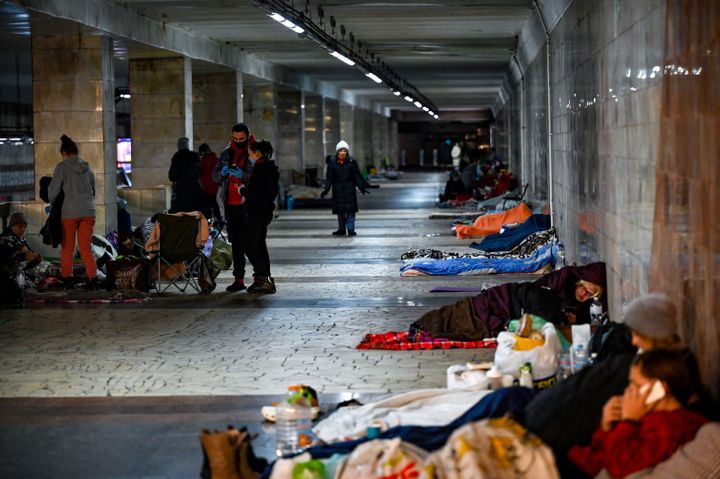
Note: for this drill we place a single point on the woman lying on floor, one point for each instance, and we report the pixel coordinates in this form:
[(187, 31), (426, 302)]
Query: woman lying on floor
[(560, 297)]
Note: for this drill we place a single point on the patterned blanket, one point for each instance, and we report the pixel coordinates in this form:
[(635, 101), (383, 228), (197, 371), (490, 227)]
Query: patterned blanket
[(402, 341)]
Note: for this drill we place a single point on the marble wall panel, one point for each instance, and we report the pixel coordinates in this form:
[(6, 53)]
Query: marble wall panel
[(290, 132), (215, 107), (605, 85), (331, 122), (259, 111), (314, 150)]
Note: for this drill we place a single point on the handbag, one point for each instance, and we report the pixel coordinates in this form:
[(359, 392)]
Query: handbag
[(128, 274)]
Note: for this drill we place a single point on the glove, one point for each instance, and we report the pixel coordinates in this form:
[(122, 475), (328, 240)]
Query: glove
[(236, 172), (225, 170), (323, 194), (364, 192)]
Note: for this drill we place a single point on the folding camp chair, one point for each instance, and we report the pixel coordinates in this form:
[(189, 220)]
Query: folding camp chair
[(514, 198), (179, 255)]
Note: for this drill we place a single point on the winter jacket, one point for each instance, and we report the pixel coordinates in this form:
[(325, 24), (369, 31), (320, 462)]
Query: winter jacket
[(343, 179), (262, 189), (229, 158), (185, 175), (631, 446), (76, 179), (207, 165)]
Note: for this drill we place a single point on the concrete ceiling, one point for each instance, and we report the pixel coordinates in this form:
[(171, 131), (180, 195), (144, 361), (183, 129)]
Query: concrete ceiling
[(457, 53)]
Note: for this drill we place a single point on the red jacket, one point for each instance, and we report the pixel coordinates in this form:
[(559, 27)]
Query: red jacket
[(631, 446), (207, 165)]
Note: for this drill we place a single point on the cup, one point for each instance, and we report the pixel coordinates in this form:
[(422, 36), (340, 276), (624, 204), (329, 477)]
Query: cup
[(495, 377)]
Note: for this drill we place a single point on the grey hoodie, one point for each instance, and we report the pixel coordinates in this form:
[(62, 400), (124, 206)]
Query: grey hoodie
[(74, 177)]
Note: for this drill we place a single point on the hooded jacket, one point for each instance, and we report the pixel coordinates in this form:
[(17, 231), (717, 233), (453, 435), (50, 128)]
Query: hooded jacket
[(76, 179)]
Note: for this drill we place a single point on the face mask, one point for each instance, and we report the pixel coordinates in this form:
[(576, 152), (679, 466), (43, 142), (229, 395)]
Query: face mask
[(240, 143)]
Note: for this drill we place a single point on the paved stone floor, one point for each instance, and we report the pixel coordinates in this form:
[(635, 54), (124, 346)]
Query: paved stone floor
[(331, 292)]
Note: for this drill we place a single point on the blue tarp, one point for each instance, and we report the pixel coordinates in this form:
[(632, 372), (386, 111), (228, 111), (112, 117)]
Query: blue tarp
[(545, 255), (511, 237)]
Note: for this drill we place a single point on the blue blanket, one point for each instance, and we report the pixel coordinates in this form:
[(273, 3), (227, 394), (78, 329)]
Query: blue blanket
[(545, 255), (511, 237)]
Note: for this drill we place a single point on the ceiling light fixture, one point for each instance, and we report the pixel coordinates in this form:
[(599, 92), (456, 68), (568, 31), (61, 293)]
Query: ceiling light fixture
[(342, 58), (285, 22), (373, 77), (300, 21)]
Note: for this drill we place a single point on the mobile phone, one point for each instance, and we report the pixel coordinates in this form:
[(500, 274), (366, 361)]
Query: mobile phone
[(656, 393)]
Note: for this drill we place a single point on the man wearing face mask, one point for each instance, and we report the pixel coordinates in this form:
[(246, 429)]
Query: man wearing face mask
[(232, 173)]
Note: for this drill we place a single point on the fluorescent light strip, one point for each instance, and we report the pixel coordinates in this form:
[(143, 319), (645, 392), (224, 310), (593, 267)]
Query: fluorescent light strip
[(342, 58), (286, 23), (409, 98), (425, 108), (373, 77), (418, 104), (396, 93)]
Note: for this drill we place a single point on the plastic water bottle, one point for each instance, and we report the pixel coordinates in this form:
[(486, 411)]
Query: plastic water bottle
[(596, 311), (290, 202), (293, 425), (20, 279), (579, 357), (526, 378)]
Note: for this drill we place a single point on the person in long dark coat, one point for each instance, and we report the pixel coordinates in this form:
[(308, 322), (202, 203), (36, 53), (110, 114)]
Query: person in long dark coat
[(185, 175), (560, 297), (343, 176)]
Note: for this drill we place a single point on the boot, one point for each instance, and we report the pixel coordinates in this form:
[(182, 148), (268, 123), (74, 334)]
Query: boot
[(338, 233), (237, 285), (68, 282), (262, 285), (91, 285), (352, 233)]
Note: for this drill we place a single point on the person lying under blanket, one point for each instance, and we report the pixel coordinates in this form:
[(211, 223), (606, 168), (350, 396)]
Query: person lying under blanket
[(560, 297)]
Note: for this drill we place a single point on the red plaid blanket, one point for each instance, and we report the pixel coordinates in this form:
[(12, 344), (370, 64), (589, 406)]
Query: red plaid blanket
[(400, 341)]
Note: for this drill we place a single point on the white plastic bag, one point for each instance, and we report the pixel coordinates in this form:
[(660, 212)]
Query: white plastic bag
[(544, 359)]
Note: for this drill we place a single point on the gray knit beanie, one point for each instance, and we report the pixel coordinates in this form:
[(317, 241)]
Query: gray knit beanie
[(183, 143), (653, 316)]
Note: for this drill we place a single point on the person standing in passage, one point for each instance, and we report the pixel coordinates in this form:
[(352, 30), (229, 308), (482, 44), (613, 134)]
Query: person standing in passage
[(75, 178), (185, 175), (208, 162), (260, 194), (343, 176), (232, 172)]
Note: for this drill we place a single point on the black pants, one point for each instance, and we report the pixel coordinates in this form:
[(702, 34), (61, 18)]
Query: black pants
[(237, 234), (211, 208), (257, 251)]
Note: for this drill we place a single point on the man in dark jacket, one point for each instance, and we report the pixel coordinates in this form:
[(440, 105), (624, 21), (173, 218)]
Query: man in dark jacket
[(185, 175), (260, 194), (343, 176), (232, 173)]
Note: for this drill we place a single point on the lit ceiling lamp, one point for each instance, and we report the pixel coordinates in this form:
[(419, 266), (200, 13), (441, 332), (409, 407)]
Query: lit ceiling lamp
[(301, 23), (373, 77), (285, 22)]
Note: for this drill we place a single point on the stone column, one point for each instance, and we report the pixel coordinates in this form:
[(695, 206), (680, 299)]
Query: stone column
[(362, 138), (160, 113), (290, 132), (74, 94), (216, 107), (331, 125), (380, 141), (347, 127), (314, 148), (259, 111)]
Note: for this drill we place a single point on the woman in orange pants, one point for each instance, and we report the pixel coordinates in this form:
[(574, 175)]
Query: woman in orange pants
[(74, 178)]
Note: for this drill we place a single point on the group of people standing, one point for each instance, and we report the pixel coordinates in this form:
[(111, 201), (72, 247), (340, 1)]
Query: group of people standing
[(247, 180)]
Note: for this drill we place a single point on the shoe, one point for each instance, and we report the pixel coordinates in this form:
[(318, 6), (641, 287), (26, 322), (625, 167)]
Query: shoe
[(68, 283), (91, 285), (262, 285), (338, 233), (237, 285), (352, 233)]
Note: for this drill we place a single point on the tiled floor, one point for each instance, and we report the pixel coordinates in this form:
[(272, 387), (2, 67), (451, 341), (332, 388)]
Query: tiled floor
[(331, 291)]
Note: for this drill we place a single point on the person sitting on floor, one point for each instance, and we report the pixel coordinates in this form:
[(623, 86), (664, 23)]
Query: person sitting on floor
[(454, 188), (560, 297), (641, 428), (14, 253)]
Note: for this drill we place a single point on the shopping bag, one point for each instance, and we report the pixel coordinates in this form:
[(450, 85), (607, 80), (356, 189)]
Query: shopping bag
[(128, 274), (221, 255), (544, 359)]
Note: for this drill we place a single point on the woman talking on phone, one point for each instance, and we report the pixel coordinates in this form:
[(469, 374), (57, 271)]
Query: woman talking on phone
[(645, 425)]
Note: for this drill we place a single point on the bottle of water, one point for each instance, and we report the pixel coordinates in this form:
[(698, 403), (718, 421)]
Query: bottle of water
[(20, 279), (596, 311), (579, 357), (293, 425)]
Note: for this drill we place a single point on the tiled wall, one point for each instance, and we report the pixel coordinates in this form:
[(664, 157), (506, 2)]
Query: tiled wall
[(314, 149), (606, 66)]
